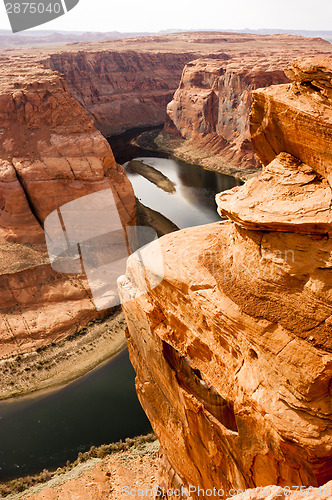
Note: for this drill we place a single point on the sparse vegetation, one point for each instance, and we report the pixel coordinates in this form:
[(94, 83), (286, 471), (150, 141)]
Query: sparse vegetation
[(23, 483)]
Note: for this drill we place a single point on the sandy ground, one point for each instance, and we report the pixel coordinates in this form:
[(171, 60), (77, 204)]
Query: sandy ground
[(102, 479), (57, 364)]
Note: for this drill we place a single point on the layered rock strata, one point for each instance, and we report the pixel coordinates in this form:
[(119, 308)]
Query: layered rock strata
[(125, 84), (211, 106), (233, 350), (210, 109), (50, 154), (122, 90), (297, 118)]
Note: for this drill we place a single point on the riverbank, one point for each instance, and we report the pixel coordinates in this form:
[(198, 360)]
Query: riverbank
[(59, 363), (95, 474), (161, 142)]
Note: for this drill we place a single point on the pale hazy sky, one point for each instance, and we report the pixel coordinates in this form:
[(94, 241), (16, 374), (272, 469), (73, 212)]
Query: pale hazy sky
[(155, 15)]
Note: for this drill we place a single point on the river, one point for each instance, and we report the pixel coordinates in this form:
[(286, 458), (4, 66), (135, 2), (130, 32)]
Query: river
[(45, 431)]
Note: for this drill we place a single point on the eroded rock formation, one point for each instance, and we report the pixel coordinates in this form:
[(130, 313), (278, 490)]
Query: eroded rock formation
[(305, 130), (233, 350), (50, 154), (125, 84), (122, 90), (210, 108)]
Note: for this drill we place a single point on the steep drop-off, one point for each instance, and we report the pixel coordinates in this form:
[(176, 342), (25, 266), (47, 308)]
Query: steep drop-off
[(50, 154), (126, 84), (210, 109), (233, 350), (122, 90), (211, 106)]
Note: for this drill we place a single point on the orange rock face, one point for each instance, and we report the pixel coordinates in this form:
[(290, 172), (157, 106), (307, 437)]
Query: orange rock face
[(50, 154), (211, 106), (233, 350), (122, 90), (305, 130)]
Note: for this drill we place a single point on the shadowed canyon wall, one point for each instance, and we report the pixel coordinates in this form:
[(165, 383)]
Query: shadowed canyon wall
[(122, 90), (233, 350)]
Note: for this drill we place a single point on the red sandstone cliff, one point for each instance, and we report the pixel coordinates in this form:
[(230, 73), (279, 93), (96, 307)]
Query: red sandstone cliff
[(122, 90), (128, 83), (233, 350), (211, 106), (50, 154)]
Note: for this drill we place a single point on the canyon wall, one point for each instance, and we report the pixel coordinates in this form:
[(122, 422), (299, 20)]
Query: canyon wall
[(127, 84), (50, 154), (210, 109), (233, 350), (122, 90), (212, 104)]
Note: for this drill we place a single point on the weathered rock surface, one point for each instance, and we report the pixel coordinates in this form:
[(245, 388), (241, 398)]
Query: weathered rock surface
[(288, 196), (50, 154), (126, 84), (296, 118), (233, 350), (210, 108), (122, 90)]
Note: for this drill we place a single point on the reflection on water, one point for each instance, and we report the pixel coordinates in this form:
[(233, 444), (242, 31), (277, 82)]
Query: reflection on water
[(193, 202)]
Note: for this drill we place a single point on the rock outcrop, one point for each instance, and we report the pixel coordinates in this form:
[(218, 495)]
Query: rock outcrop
[(125, 84), (50, 154), (211, 106), (305, 130), (233, 350)]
